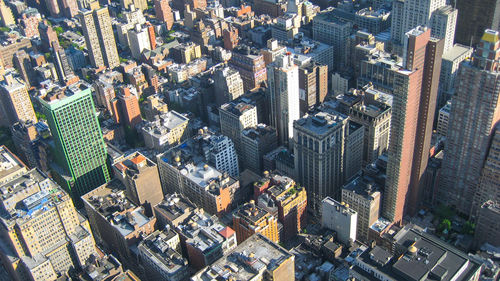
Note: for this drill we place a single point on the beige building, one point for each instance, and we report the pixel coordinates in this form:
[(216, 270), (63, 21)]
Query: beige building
[(228, 85), (42, 234), (153, 106), (15, 102), (6, 14), (99, 38), (142, 182)]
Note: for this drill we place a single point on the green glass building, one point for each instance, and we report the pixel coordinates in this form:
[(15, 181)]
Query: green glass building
[(78, 146)]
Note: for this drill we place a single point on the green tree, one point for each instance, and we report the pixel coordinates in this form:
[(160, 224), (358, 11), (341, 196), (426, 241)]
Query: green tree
[(444, 225), (59, 30), (468, 228)]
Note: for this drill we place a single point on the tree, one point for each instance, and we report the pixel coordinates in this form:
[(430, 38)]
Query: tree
[(59, 30), (468, 228), (444, 225)]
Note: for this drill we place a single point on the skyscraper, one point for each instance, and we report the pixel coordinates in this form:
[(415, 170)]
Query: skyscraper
[(320, 148), (228, 85), (443, 23), (79, 150), (474, 17), (15, 101), (234, 118), (475, 109), (415, 92), (99, 37), (410, 14), (283, 82)]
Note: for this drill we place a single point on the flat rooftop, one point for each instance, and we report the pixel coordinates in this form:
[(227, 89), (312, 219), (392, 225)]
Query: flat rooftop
[(320, 123), (456, 52), (10, 165), (247, 261)]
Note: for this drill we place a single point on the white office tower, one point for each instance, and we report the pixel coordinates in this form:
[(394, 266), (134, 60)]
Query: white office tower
[(223, 155), (283, 83), (139, 40), (410, 14), (339, 218), (443, 23)]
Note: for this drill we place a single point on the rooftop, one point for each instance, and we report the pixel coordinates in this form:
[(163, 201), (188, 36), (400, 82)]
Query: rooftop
[(10, 165), (251, 213), (157, 249), (174, 206), (110, 202), (261, 130), (59, 94), (165, 123), (237, 108), (248, 261), (133, 164), (321, 123), (202, 231)]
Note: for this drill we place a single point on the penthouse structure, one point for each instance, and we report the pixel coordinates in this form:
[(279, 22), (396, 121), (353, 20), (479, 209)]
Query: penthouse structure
[(173, 210), (168, 129), (116, 222), (257, 258), (140, 177), (42, 234), (250, 219), (160, 258), (205, 239)]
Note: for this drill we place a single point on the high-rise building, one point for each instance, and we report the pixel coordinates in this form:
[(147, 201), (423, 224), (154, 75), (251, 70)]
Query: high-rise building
[(64, 70), (489, 185), (283, 83), (339, 218), (164, 13), (488, 224), (313, 84), (6, 16), (99, 37), (128, 108), (228, 85), (474, 17), (410, 14), (256, 142), (443, 119), (251, 66), (79, 149), (29, 22), (30, 146), (47, 35), (415, 93), (250, 219), (449, 69), (42, 234), (333, 31), (138, 39), (234, 118), (443, 23), (375, 116), (140, 177), (22, 63), (473, 116), (15, 101), (320, 149)]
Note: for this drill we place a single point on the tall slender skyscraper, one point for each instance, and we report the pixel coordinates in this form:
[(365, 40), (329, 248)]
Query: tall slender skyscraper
[(474, 17), (283, 80), (415, 92), (99, 37), (475, 109), (164, 13), (79, 148)]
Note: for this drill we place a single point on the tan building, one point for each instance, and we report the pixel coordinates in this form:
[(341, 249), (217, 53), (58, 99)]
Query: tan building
[(15, 102), (6, 14), (363, 196), (228, 85), (258, 251), (186, 52), (250, 219), (43, 235), (116, 222), (99, 38), (165, 131), (153, 106), (142, 182), (164, 12), (10, 47)]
